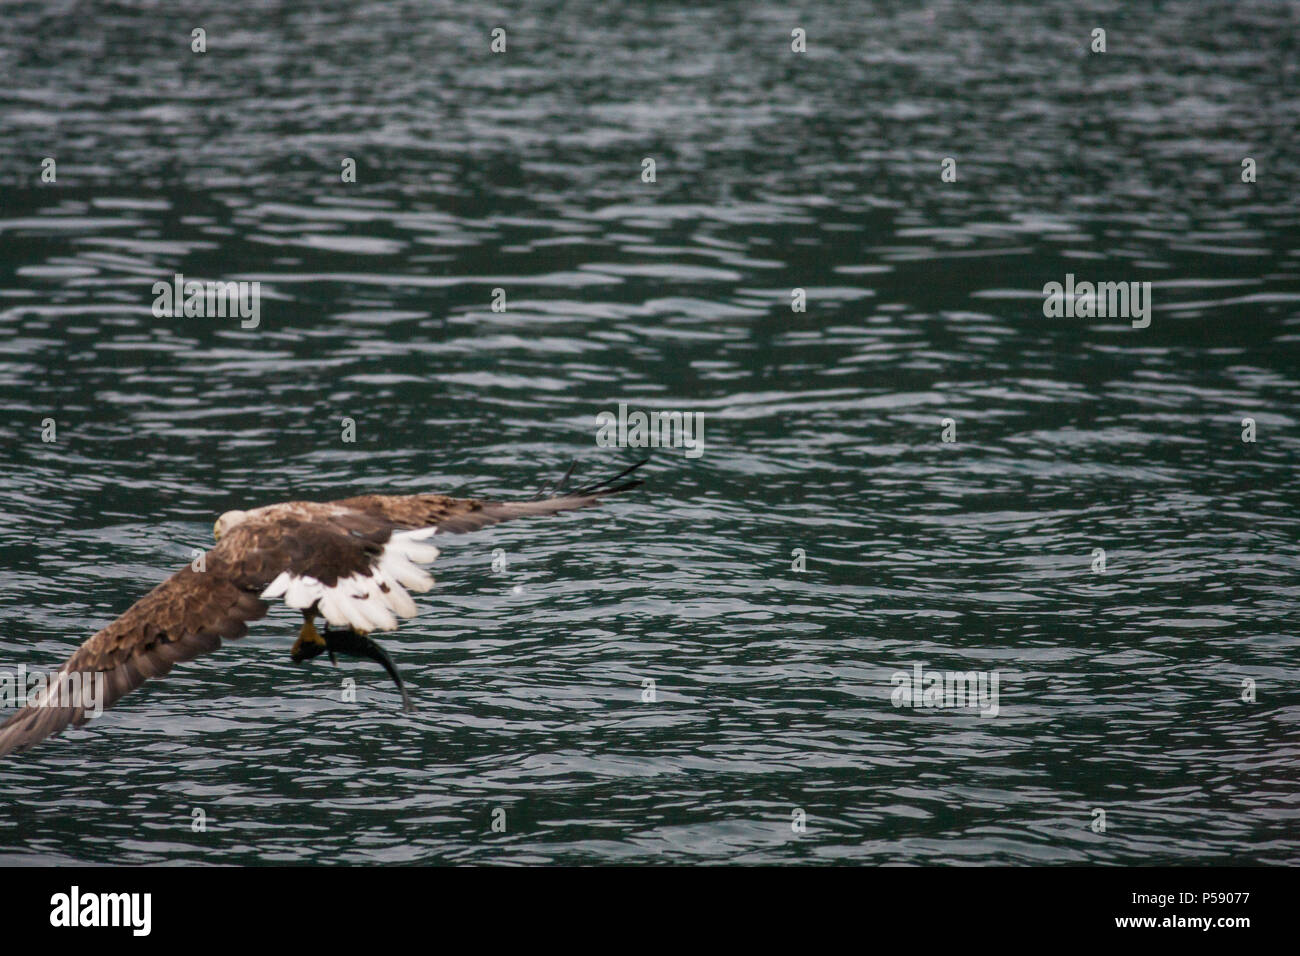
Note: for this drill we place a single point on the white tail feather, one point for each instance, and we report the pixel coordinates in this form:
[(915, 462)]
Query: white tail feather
[(367, 600)]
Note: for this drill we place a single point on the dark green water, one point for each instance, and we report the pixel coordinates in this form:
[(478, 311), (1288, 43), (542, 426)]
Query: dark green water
[(1119, 691)]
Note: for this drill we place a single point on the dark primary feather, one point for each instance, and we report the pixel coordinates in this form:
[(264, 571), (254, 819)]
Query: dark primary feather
[(456, 515), (185, 616), (192, 611)]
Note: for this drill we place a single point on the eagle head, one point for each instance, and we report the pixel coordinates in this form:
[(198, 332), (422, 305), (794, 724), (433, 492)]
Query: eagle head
[(226, 522)]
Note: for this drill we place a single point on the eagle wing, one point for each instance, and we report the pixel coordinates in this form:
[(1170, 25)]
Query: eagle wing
[(184, 616), (351, 560), (456, 515), (368, 591)]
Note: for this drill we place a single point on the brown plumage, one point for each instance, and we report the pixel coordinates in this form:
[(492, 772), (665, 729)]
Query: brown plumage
[(350, 561)]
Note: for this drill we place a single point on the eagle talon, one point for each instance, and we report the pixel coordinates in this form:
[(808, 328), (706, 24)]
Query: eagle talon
[(309, 643), (370, 549)]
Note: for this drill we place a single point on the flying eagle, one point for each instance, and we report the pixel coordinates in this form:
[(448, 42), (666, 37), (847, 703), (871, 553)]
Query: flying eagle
[(352, 562)]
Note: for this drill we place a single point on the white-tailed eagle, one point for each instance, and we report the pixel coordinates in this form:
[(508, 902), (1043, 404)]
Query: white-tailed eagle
[(351, 562)]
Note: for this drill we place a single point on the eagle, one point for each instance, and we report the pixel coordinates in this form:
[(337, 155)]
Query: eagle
[(352, 562)]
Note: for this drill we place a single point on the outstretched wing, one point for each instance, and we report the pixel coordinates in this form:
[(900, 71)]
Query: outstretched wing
[(455, 515), (350, 561), (186, 615), (367, 590), (190, 613)]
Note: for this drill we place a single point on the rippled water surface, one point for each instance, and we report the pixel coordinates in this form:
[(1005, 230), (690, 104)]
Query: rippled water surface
[(1119, 691)]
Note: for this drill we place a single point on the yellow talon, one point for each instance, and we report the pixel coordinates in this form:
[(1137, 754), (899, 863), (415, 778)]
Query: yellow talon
[(308, 635)]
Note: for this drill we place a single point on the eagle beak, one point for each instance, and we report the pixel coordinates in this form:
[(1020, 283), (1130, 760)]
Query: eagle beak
[(216, 530)]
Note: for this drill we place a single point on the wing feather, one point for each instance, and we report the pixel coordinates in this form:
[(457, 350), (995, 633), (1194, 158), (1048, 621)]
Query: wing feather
[(457, 515), (298, 550), (185, 616)]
